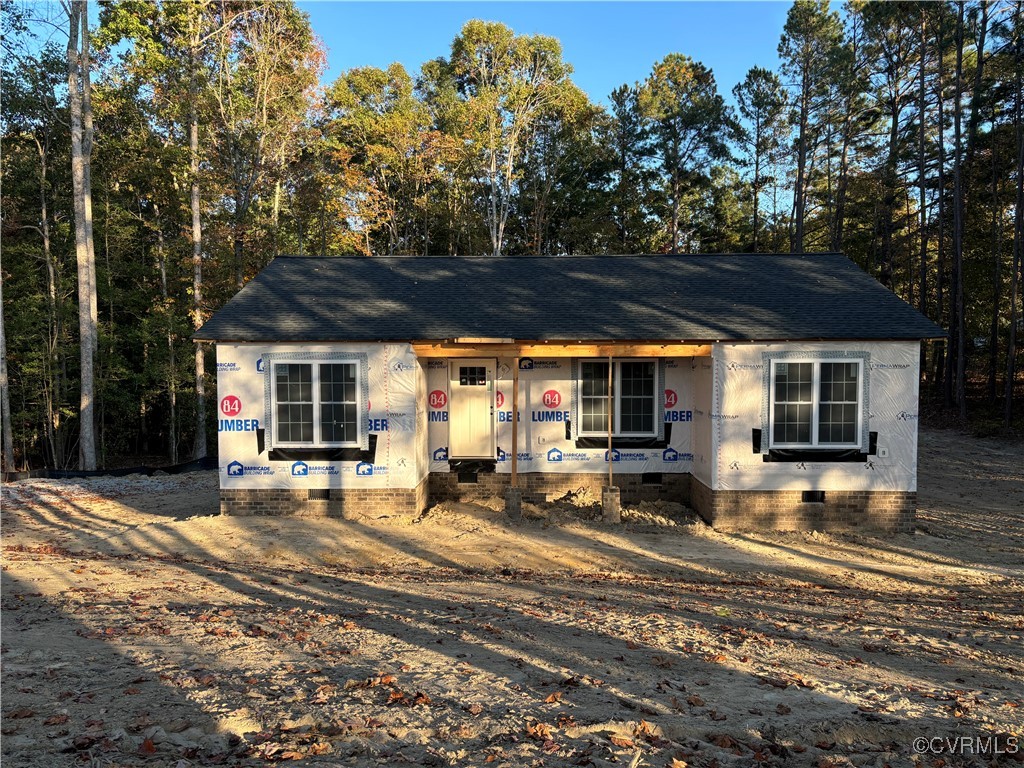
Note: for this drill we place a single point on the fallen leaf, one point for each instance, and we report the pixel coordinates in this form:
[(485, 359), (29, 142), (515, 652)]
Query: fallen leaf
[(371, 682), (539, 731), (621, 741), (695, 701), (56, 720), (147, 747), (20, 713), (554, 698), (643, 728)]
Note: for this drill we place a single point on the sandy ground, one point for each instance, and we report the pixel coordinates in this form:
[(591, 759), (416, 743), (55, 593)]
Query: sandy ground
[(141, 628)]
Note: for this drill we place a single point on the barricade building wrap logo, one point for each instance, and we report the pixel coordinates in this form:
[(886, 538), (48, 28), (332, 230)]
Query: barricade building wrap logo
[(441, 454), (228, 367), (529, 364), (237, 469), (555, 455), (260, 365), (364, 469), (302, 469), (523, 455)]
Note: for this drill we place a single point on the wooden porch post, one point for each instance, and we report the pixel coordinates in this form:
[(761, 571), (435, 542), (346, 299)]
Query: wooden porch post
[(515, 422), (610, 418)]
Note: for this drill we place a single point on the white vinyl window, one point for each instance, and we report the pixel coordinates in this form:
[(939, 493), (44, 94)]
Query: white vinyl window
[(816, 403), (634, 398), (316, 403)]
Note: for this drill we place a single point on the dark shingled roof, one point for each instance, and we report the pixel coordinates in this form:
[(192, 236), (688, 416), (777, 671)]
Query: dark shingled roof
[(567, 298)]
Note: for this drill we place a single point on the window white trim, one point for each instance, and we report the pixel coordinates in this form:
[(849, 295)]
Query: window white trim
[(317, 441), (616, 399), (816, 401)]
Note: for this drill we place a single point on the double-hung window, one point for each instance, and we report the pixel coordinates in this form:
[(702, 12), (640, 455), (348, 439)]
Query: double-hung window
[(634, 400), (316, 403), (816, 403)]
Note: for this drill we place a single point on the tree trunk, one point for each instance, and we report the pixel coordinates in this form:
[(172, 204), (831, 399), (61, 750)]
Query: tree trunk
[(276, 216), (757, 176), (960, 394), (922, 299), (889, 199), (843, 173), (5, 397), (1018, 218), (997, 258), (799, 201), (674, 231), (53, 385), (945, 350), (199, 445), (172, 372), (79, 109), (239, 253)]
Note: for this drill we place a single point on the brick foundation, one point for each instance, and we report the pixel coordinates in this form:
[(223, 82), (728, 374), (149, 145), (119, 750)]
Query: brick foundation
[(539, 487), (343, 502), (868, 511)]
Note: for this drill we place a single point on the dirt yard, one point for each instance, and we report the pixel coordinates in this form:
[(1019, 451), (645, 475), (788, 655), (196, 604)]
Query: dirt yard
[(142, 629)]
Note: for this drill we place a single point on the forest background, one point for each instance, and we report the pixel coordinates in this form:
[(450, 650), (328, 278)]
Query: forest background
[(155, 160)]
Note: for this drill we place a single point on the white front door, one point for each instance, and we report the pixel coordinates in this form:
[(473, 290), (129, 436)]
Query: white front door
[(471, 410)]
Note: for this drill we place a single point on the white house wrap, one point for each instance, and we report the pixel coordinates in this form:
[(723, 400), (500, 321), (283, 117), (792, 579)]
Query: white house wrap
[(390, 398), (889, 406)]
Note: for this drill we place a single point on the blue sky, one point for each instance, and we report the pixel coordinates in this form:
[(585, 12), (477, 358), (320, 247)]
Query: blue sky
[(607, 43)]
